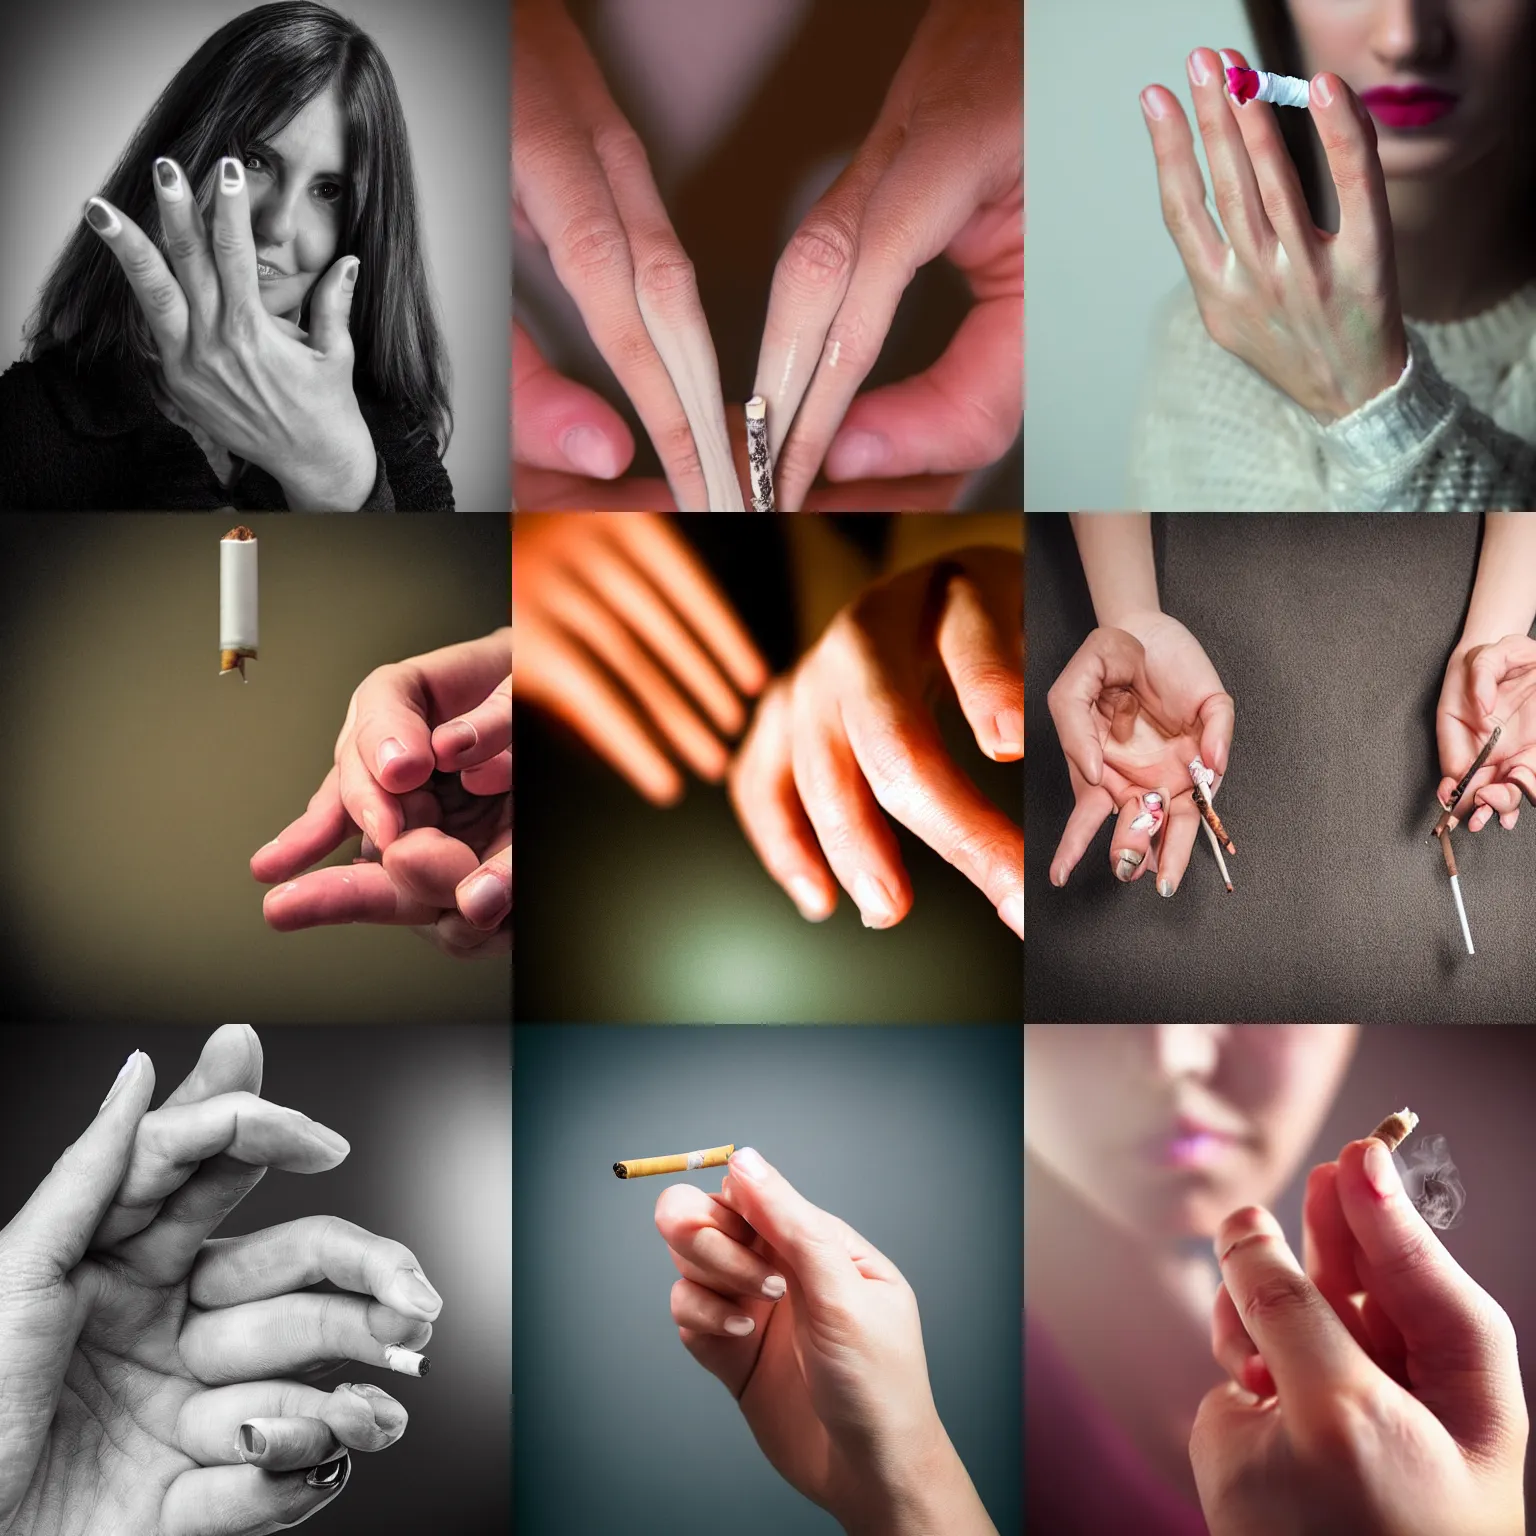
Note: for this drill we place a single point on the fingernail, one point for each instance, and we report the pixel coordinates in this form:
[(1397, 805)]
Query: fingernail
[(252, 1442), (388, 1414), (406, 1362), (875, 904), (371, 828), (1152, 105), (483, 900), (1198, 70), (1380, 1169), (774, 1287), (126, 1073), (1009, 725), (1229, 59), (1127, 862), (590, 453), (748, 1163), (332, 1475), (460, 735), (350, 271), (810, 898), (389, 749), (327, 1138), (1012, 913), (231, 175), (857, 454), (101, 218), (1322, 90), (1058, 879), (1165, 887), (169, 179), (740, 1326), (418, 1290)]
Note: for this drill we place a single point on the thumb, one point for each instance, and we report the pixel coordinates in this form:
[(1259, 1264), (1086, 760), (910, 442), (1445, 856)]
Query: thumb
[(559, 425), (330, 311), (1220, 1442), (1218, 716)]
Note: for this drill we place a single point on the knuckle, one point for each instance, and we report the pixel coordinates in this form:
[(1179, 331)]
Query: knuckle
[(665, 275), (238, 327), (822, 252), (679, 453), (1276, 1297), (596, 248), (183, 244), (229, 239), (620, 149), (851, 341)]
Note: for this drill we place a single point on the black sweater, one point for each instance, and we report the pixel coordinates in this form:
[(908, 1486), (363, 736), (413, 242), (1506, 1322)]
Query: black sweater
[(93, 440)]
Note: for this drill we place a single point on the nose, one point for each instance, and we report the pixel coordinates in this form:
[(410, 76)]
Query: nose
[(1186, 1050), (1407, 32), (274, 215)]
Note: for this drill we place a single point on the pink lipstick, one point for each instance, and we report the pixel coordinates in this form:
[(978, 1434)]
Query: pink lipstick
[(1191, 1145), (1413, 106)]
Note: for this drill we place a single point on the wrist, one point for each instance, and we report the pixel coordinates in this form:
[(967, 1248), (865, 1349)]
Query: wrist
[(341, 483), (928, 1493)]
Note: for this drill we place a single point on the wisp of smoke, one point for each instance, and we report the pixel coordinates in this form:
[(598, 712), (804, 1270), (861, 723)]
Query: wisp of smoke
[(1432, 1182)]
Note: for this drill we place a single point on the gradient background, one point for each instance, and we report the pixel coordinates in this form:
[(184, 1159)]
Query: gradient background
[(913, 1136), (1100, 260), (79, 76), (136, 783), (427, 1112)]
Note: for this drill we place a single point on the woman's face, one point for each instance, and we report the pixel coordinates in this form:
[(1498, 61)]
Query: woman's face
[(1470, 55), (1166, 1129), (297, 184)]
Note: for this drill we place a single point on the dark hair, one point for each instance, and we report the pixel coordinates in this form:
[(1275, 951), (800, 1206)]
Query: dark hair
[(1280, 54), (248, 81)]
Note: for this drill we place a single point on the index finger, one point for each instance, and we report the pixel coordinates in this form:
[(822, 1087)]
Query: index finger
[(1108, 658), (234, 248), (356, 893), (1349, 141)]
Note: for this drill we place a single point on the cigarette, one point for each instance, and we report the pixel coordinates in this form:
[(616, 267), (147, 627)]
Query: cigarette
[(1461, 910), (1395, 1129), (1448, 818), (682, 1162), (1260, 85), (1212, 820), (406, 1362), (237, 601), (757, 454)]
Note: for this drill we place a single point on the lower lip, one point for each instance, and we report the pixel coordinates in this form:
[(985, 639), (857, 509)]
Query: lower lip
[(1409, 114), (1193, 1151), (269, 276)]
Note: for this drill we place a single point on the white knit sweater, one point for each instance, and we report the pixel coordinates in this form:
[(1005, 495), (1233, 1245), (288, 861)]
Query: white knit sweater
[(1457, 433)]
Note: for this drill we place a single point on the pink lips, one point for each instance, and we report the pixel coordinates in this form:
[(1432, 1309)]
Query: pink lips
[(1191, 1146), (1414, 106)]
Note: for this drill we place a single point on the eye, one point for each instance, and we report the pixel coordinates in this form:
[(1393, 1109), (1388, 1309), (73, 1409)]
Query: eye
[(254, 162), (328, 192)]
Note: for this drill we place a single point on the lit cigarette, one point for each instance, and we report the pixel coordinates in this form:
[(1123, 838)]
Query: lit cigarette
[(1395, 1129), (757, 454), (406, 1362), (1260, 85), (1450, 865), (1203, 780), (642, 1167), (1448, 817), (237, 601)]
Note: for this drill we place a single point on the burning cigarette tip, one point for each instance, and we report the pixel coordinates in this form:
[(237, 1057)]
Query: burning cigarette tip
[(405, 1362), (1396, 1128), (681, 1162)]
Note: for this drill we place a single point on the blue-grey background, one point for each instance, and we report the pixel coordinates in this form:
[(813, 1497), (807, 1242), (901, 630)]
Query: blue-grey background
[(913, 1135)]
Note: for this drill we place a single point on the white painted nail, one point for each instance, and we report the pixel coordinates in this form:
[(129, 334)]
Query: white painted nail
[(740, 1326), (126, 1073), (774, 1287)]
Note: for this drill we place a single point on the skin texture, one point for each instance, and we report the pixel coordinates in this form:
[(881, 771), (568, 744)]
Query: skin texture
[(620, 631), (831, 1376), (849, 734), (232, 360), (434, 807), (136, 1354)]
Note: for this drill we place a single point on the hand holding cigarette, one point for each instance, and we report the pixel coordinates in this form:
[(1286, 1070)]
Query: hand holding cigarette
[(186, 1343), (768, 1280), (423, 769), (850, 732), (1488, 689), (1444, 1453)]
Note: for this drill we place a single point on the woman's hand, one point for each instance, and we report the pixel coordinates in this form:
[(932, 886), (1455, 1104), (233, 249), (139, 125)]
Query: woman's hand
[(849, 734), (1488, 685), (150, 1384), (1399, 1406), (423, 766), (940, 173), (1133, 708), (1317, 314), (246, 379), (816, 1335), (615, 624)]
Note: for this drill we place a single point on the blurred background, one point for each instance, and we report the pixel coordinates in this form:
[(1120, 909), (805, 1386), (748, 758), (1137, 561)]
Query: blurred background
[(428, 1114), (621, 1429), (136, 783)]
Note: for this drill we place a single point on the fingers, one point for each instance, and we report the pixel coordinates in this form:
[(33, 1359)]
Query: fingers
[(1090, 810), (187, 241), (704, 1311), (1235, 1351), (1181, 186), (1234, 187), (330, 308), (1108, 659), (710, 1244), (246, 1501), (155, 288), (427, 866), (283, 1425), (1507, 664), (1284, 202), (1349, 141), (1141, 820), (321, 830), (390, 750), (1329, 1250), (985, 667), (355, 893), (1218, 720), (559, 425), (485, 896), (1501, 800), (479, 737), (1179, 833), (234, 253)]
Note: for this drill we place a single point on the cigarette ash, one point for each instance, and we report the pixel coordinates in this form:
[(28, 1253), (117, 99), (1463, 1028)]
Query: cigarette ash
[(1433, 1182)]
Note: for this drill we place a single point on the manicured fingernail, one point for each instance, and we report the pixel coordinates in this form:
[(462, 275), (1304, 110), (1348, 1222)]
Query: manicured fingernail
[(418, 1291), (1058, 878), (1165, 887), (1229, 59), (389, 749), (101, 218), (875, 904), (252, 1442), (327, 1138), (1012, 913), (126, 1074), (774, 1287), (1152, 105), (740, 1326), (748, 1163), (387, 1413), (169, 180), (406, 1362), (350, 271), (1322, 90), (1127, 862), (231, 175), (1199, 72), (1152, 817), (857, 454), (332, 1475), (590, 453), (460, 735), (810, 898), (1009, 725), (483, 899), (1381, 1170)]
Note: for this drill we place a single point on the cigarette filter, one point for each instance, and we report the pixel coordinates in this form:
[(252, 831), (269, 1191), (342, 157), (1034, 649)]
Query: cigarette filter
[(237, 600), (757, 454), (406, 1362), (1396, 1128), (1260, 85), (642, 1167)]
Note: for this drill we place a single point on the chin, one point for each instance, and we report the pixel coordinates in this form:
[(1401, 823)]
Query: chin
[(1186, 1207)]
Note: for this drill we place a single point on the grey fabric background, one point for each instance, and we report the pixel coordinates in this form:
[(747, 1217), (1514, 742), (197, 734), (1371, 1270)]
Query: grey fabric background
[(1332, 634), (914, 1136)]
